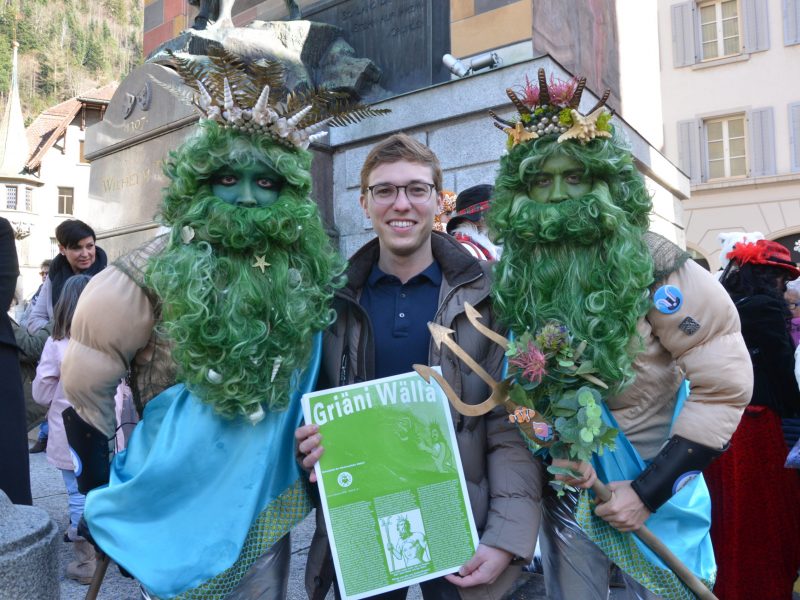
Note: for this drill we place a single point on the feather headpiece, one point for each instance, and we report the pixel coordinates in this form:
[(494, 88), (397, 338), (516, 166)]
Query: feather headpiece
[(252, 97), (764, 252), (552, 109)]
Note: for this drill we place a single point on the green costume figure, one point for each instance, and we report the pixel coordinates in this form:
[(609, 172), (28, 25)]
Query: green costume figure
[(572, 213), (218, 323)]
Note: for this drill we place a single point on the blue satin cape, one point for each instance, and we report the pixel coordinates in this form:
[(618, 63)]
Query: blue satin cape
[(182, 496), (683, 523)]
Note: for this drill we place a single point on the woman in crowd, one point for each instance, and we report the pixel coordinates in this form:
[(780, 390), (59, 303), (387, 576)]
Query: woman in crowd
[(755, 521), (77, 254)]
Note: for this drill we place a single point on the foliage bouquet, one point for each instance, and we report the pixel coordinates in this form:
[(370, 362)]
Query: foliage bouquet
[(556, 397)]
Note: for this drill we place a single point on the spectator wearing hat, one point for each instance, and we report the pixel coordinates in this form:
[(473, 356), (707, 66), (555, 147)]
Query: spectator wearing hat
[(468, 223), (749, 484)]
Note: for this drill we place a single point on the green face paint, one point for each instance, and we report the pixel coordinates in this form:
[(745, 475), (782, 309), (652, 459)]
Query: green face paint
[(560, 178), (256, 185)]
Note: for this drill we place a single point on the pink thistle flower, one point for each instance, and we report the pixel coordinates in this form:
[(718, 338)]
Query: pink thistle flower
[(530, 93), (531, 362), (560, 91)]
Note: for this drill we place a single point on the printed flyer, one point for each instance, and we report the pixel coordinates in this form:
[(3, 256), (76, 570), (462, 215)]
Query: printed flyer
[(391, 482)]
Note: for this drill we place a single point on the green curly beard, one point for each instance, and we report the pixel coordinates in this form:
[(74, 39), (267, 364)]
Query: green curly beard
[(583, 221), (583, 261), (229, 321)]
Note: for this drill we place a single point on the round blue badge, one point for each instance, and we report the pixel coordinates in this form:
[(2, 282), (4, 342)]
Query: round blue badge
[(668, 299), (77, 465), (684, 479)]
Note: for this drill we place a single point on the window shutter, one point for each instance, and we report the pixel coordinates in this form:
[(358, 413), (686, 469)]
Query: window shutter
[(791, 22), (756, 25), (794, 134), (762, 142), (689, 149), (683, 34)]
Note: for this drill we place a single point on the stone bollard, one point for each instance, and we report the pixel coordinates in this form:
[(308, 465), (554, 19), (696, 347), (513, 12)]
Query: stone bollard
[(28, 553)]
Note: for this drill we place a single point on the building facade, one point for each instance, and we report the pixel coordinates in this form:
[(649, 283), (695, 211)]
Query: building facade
[(51, 182), (731, 105)]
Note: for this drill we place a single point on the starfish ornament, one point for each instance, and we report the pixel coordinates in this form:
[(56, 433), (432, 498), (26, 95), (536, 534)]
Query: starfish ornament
[(584, 129), (260, 263), (519, 134)]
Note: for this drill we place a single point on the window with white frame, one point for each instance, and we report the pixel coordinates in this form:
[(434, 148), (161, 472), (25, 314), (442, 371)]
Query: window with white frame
[(65, 200), (791, 22), (726, 147), (794, 135), (29, 199), (719, 29), (710, 30), (11, 197)]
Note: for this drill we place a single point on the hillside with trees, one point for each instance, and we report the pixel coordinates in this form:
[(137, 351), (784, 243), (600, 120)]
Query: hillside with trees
[(67, 47)]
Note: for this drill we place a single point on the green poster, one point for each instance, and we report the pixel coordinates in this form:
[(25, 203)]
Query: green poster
[(391, 482)]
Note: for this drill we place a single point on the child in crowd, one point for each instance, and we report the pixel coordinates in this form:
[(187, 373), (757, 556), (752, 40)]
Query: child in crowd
[(47, 391)]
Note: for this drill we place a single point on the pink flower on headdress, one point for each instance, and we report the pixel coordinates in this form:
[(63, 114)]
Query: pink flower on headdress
[(561, 91), (531, 362)]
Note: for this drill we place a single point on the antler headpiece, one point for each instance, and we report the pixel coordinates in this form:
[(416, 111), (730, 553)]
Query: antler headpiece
[(251, 97), (553, 110)]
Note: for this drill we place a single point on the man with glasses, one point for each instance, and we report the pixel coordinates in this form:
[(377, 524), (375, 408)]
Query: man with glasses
[(397, 283)]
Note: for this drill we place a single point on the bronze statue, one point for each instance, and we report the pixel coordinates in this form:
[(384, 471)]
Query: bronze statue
[(218, 12), (212, 11)]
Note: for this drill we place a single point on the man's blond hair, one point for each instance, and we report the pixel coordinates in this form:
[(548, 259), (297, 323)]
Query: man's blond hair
[(396, 148)]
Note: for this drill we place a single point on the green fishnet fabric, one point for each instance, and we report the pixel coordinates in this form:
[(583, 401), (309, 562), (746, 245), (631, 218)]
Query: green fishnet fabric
[(272, 524), (622, 549)]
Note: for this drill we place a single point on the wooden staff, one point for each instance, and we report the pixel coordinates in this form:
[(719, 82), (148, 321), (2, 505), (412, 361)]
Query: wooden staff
[(650, 540), (97, 578)]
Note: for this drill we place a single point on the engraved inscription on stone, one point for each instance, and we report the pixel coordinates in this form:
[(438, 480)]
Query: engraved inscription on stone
[(145, 119), (148, 100)]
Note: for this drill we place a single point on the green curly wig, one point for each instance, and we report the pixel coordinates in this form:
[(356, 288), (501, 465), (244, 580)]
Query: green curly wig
[(241, 335), (582, 261)]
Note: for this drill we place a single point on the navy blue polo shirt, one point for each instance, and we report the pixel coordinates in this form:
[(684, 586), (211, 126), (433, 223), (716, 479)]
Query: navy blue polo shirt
[(399, 313)]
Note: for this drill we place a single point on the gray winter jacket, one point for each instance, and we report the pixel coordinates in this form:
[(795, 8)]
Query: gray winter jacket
[(503, 479)]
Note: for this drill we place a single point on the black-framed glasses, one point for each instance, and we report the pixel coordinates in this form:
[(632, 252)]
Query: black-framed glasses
[(417, 192)]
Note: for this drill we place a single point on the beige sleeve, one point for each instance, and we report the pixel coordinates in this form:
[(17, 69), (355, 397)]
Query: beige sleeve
[(714, 358), (516, 479), (112, 322)]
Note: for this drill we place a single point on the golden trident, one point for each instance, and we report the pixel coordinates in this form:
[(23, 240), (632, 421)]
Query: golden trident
[(500, 397)]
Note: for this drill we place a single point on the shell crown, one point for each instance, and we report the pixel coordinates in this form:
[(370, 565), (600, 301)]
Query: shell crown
[(251, 96), (552, 109)]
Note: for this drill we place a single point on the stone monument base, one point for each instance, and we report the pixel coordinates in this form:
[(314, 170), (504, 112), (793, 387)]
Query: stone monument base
[(28, 553)]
